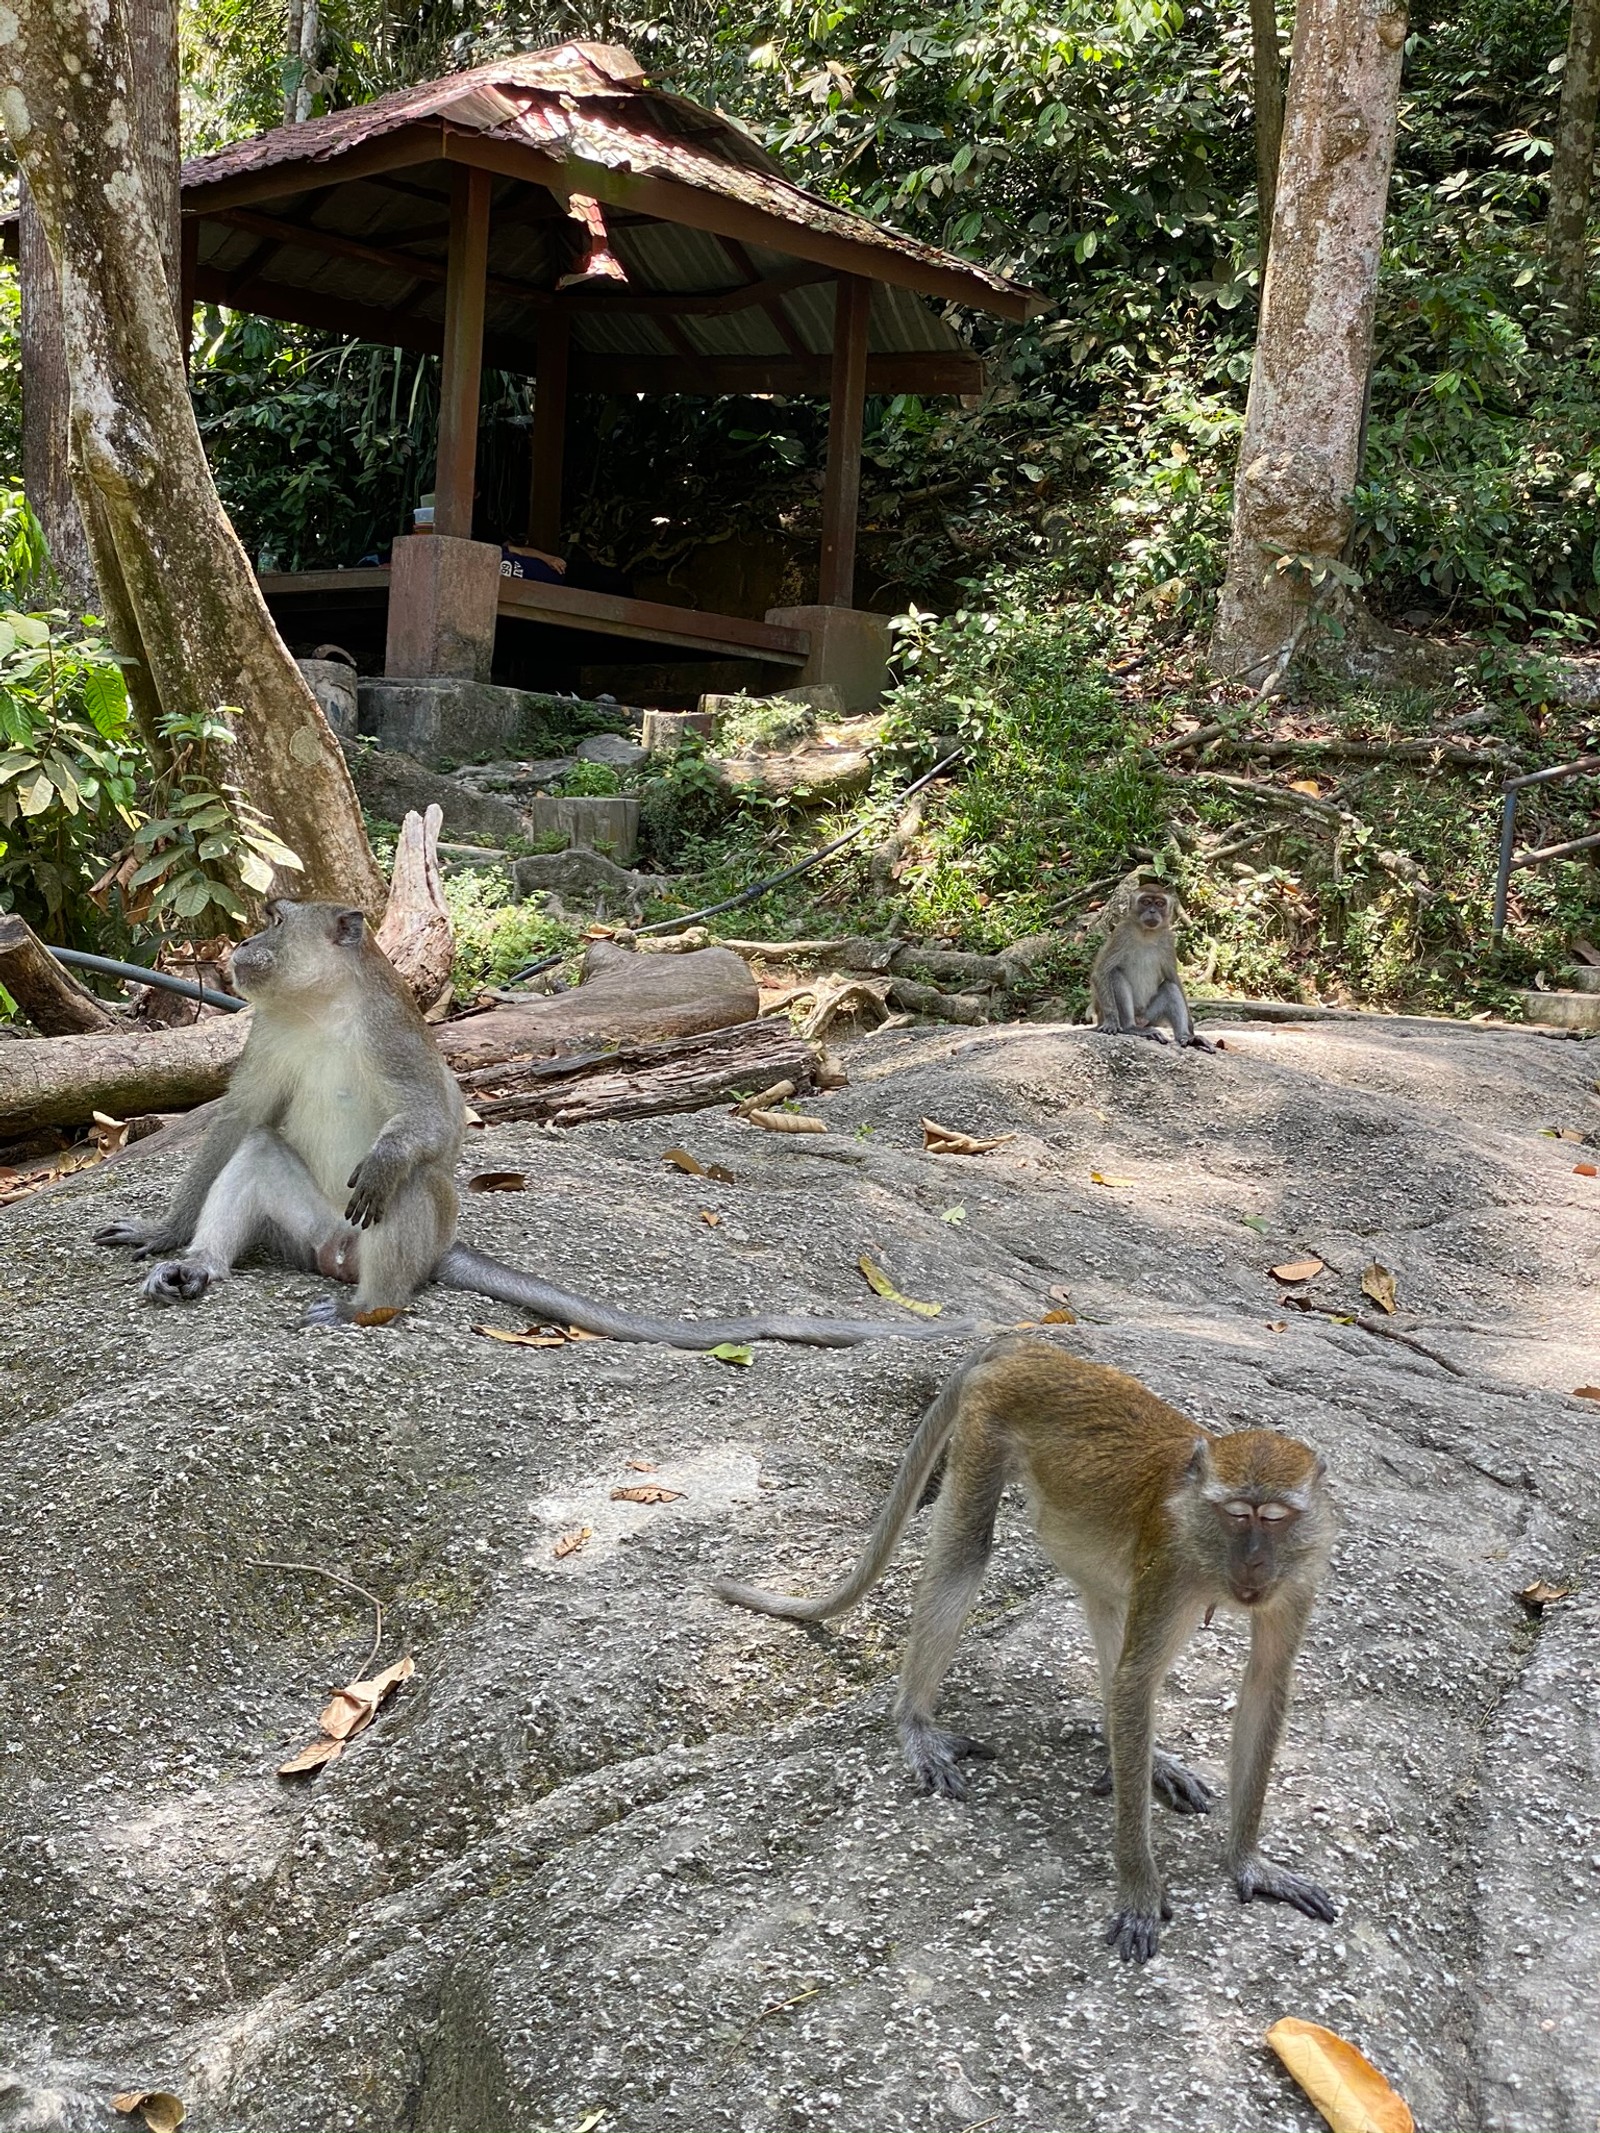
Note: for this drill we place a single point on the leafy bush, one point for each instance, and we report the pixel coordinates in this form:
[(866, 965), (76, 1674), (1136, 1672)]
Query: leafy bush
[(496, 935), (682, 805), (591, 780)]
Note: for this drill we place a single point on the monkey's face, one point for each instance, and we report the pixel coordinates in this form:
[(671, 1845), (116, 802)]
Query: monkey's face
[(303, 951), (1152, 910), (1258, 1513)]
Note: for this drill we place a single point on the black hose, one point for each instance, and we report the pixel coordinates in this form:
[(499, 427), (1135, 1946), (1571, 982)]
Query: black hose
[(756, 889), (136, 974)]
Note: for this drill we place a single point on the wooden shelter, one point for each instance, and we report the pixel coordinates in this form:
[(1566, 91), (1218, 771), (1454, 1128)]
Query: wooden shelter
[(552, 213)]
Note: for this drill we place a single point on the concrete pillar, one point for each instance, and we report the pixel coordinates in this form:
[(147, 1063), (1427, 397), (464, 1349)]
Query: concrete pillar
[(849, 648)]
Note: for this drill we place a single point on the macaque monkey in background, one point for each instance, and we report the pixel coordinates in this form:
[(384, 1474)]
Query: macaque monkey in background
[(1135, 977), (335, 1151), (1155, 1521)]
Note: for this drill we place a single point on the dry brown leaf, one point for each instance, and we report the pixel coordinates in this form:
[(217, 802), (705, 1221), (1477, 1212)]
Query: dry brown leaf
[(570, 1543), (110, 1134), (708, 1218), (1058, 1318), (353, 1708), (1061, 1293), (379, 1315), (1346, 2088), (1556, 1133), (945, 1140), (1585, 1170), (1277, 1325), (640, 1466), (312, 1758), (879, 1281), (1100, 1177), (1309, 785), (1586, 1392), (579, 1333), (530, 1339), (1538, 1596), (764, 1099), (1378, 1283), (646, 1492), (784, 1122), (1298, 1270), (681, 1159), (499, 1181), (161, 2111)]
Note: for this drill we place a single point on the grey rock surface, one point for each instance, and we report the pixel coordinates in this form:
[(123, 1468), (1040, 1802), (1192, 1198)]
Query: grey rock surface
[(613, 749), (390, 783), (620, 1849)]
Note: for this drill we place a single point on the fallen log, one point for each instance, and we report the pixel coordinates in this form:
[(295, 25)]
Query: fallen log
[(59, 1081), (56, 1004), (626, 997), (913, 999), (642, 1080)]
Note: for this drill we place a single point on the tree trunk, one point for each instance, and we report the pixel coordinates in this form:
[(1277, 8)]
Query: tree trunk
[(46, 394), (1300, 456), (51, 998), (187, 596), (1267, 86), (1572, 171)]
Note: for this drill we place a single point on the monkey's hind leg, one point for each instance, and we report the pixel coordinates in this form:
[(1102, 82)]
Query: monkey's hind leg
[(958, 1554), (1170, 1006), (392, 1260), (262, 1196)]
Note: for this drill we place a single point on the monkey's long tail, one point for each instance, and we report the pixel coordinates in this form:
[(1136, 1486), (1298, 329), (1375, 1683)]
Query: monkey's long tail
[(463, 1268), (922, 1456)]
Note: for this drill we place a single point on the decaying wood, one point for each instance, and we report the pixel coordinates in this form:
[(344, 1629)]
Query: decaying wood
[(53, 1001), (59, 1081), (1418, 751), (623, 997), (848, 953), (416, 933), (941, 966), (642, 1080), (914, 999)]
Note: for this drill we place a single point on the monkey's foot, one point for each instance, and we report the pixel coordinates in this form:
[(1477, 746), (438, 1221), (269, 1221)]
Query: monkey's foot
[(1202, 1044), (1173, 1783), (1275, 1884), (178, 1281), (1136, 1935), (934, 1754)]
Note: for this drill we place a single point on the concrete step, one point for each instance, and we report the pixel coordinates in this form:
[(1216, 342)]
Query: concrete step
[(1563, 1010)]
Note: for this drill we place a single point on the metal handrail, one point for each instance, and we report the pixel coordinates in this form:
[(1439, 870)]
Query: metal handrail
[(1509, 856)]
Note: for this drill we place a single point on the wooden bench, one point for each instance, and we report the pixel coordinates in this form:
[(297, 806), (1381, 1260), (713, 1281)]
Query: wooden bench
[(687, 629)]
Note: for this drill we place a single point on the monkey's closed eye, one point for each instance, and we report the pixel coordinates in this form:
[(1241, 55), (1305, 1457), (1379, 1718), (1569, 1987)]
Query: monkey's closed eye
[(1275, 1513)]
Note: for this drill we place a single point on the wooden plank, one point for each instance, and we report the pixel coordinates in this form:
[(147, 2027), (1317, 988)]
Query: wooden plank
[(422, 141), (841, 486), (666, 200), (455, 475), (280, 584), (611, 615), (549, 440)]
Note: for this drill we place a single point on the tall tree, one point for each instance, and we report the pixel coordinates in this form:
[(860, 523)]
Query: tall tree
[(1266, 67), (1299, 459), (178, 589), (46, 393), (1572, 170)]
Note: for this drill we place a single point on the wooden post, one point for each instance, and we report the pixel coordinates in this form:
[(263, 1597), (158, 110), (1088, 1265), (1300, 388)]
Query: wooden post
[(841, 489), (462, 366), (188, 259), (549, 431)]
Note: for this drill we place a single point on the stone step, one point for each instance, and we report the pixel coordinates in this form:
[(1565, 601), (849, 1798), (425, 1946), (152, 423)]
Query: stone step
[(1563, 1010)]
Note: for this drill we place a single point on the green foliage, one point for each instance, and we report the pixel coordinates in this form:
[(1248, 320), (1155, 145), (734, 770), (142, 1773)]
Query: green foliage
[(682, 805), (204, 847), (494, 935), (594, 780), (68, 762), (762, 722)]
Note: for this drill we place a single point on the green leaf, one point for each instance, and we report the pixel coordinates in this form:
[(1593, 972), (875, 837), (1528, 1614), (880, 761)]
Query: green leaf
[(35, 793), (8, 640), (215, 847), (731, 1352), (152, 870), (105, 699), (192, 894), (255, 873), (27, 629)]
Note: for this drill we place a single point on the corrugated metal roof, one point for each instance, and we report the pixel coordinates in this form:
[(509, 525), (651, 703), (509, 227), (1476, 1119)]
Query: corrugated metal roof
[(377, 242)]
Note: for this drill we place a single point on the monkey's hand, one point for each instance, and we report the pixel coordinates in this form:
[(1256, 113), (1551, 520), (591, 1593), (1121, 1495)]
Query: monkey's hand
[(374, 1182), (146, 1240), (179, 1281), (1136, 1935), (1275, 1884)]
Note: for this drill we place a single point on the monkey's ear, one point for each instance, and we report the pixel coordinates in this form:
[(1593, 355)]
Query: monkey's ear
[(348, 927), (1199, 1467)]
